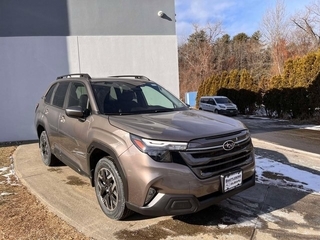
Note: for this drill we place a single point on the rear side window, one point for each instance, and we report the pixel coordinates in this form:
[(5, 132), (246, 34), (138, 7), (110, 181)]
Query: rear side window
[(49, 94), (58, 98)]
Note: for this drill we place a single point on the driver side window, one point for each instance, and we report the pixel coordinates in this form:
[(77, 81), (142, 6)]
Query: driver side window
[(78, 96), (211, 102)]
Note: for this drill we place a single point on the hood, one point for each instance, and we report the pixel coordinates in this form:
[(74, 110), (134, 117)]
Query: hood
[(227, 104), (176, 126)]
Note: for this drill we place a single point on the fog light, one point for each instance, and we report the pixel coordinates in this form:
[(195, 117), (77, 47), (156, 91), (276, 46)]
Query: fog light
[(150, 195)]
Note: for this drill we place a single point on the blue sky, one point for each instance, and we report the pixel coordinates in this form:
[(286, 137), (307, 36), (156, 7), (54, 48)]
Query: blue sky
[(236, 16)]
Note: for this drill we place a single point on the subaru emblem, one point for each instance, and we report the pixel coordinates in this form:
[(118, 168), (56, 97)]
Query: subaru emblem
[(228, 145)]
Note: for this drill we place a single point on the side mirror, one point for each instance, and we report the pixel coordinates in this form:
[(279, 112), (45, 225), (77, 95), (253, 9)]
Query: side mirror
[(74, 112)]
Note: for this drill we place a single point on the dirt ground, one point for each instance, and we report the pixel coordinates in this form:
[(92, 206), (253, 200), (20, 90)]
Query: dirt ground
[(22, 216)]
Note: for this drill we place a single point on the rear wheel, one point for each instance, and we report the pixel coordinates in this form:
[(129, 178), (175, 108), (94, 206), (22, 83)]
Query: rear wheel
[(109, 190), (47, 157)]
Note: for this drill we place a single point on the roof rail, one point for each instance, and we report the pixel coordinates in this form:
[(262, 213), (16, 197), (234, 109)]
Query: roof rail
[(79, 75), (132, 76)]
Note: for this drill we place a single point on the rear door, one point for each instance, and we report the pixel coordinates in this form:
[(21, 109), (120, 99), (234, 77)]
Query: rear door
[(54, 107)]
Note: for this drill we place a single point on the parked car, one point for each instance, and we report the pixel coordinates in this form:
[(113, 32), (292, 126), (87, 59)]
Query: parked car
[(218, 104), (142, 148)]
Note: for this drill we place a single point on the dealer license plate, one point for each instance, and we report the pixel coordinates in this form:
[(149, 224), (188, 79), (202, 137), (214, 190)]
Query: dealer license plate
[(232, 180)]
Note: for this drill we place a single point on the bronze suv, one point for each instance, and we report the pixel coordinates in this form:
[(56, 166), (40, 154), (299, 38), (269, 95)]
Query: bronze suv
[(143, 149)]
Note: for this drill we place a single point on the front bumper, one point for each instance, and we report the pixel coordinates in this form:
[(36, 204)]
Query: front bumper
[(228, 112), (175, 204)]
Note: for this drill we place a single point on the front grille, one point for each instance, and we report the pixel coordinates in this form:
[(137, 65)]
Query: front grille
[(208, 158)]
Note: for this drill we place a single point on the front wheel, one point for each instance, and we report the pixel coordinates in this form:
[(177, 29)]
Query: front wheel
[(109, 190), (216, 111), (47, 157)]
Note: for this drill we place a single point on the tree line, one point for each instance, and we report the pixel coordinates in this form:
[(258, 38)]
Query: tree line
[(277, 66)]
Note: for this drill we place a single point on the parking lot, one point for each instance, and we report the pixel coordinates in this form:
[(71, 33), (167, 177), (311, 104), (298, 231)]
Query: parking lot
[(280, 206)]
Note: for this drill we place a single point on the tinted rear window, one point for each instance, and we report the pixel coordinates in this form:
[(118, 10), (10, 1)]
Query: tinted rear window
[(58, 98), (49, 94)]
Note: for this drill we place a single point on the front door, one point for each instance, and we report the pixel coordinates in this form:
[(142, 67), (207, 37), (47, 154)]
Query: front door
[(73, 132)]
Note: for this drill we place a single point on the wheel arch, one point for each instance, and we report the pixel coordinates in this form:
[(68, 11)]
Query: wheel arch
[(40, 129), (96, 151)]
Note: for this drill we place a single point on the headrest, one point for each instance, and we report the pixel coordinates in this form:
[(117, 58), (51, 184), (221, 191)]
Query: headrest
[(127, 95)]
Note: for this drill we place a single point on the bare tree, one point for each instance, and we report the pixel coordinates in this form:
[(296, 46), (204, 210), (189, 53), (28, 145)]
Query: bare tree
[(307, 26), (275, 29), (195, 56)]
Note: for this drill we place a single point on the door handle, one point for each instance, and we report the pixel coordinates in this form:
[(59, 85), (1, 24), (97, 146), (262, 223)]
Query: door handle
[(62, 119), (46, 111)]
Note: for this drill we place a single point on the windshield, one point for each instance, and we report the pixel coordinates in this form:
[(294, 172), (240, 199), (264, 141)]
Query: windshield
[(128, 97), (223, 100)]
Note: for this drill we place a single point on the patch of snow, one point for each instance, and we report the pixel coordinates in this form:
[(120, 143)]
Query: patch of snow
[(316, 128), (268, 217), (222, 226), (3, 169), (6, 194), (309, 127), (10, 175), (286, 176)]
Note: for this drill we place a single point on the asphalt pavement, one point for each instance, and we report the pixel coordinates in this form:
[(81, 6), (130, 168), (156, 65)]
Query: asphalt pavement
[(261, 212)]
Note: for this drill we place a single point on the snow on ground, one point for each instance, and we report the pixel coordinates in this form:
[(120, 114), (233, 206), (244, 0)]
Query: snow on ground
[(9, 174), (278, 174), (316, 128), (243, 212)]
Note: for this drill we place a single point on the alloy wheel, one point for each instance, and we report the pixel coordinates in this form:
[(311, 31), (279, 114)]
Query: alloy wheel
[(108, 189)]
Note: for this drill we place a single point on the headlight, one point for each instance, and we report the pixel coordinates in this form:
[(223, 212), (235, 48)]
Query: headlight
[(248, 135), (222, 106), (157, 150)]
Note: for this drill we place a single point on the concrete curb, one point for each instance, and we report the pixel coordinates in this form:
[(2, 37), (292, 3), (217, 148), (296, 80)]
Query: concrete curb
[(277, 146)]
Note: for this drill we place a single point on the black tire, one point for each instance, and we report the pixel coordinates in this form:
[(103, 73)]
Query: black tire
[(216, 111), (45, 150), (109, 190)]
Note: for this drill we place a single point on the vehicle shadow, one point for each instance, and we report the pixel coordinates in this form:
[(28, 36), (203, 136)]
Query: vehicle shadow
[(252, 207), (241, 214)]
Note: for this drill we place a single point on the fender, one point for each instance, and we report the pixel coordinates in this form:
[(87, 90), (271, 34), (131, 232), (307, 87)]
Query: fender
[(97, 145)]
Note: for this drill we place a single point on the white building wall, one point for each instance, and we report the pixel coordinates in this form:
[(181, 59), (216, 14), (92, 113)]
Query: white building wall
[(29, 64), (152, 56), (39, 42)]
